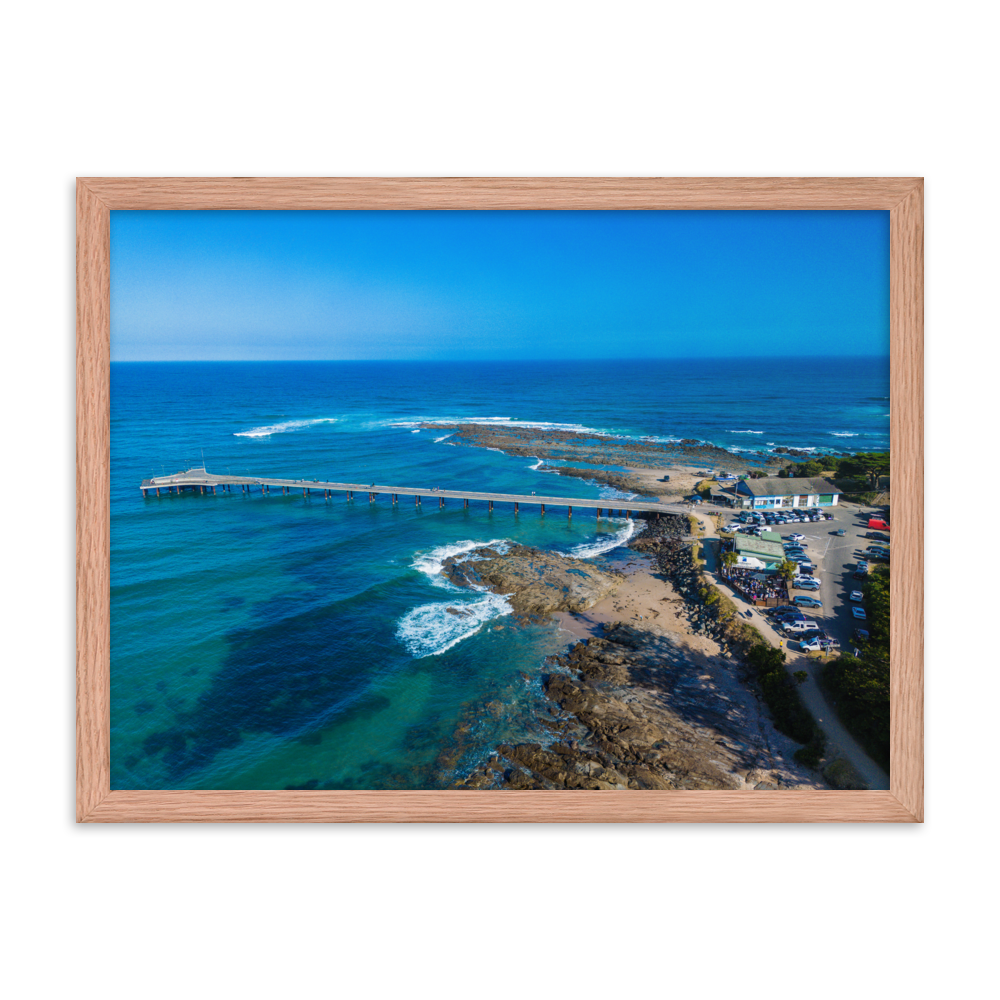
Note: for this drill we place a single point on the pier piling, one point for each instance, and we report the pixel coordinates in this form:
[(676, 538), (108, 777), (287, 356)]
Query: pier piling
[(200, 481)]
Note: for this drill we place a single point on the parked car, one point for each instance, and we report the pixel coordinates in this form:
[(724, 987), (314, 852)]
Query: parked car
[(839, 531), (806, 583), (829, 517), (856, 595), (861, 571), (879, 536), (795, 537), (808, 602), (861, 635), (858, 612)]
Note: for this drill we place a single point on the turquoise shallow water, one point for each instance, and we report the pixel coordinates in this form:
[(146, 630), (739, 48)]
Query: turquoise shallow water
[(268, 642)]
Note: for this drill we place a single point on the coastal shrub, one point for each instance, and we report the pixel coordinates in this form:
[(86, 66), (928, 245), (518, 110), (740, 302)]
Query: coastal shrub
[(866, 468), (779, 691), (860, 685), (811, 754)]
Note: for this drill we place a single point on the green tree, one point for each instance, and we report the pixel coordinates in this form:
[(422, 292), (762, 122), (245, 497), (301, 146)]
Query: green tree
[(729, 559), (787, 570), (866, 465)]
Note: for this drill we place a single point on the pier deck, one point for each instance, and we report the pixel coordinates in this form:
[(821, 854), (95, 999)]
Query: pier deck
[(200, 480)]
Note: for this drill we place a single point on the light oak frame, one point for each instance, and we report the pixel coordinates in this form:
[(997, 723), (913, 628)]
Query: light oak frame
[(96, 196)]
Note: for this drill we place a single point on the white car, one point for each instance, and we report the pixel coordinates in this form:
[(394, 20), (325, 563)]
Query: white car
[(856, 595), (796, 537)]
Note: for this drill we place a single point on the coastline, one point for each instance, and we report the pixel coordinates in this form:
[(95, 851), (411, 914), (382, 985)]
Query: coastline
[(644, 700)]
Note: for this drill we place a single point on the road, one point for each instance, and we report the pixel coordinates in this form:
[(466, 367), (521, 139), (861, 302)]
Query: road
[(835, 559)]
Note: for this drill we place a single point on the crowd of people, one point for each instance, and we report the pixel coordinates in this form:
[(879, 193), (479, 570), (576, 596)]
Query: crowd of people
[(755, 585)]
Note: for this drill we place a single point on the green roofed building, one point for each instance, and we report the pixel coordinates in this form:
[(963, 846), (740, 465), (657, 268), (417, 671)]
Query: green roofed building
[(758, 553), (779, 493)]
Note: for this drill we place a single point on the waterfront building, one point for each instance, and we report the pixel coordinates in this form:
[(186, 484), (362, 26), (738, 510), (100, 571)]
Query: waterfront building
[(779, 493)]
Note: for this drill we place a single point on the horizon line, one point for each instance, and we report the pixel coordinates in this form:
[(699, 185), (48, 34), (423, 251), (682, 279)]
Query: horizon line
[(407, 361)]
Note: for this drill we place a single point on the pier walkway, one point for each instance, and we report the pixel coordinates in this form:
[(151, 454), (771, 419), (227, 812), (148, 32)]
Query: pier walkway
[(202, 481)]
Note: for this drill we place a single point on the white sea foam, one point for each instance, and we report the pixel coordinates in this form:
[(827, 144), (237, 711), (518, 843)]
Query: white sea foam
[(536, 466), (610, 493), (431, 563), (283, 428), (744, 432), (543, 425), (432, 629), (603, 543), (444, 437), (417, 431), (844, 434)]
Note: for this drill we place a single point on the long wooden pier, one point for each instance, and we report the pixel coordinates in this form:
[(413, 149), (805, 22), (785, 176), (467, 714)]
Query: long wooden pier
[(202, 481)]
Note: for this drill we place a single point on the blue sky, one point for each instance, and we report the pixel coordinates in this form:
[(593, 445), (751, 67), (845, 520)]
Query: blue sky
[(497, 285)]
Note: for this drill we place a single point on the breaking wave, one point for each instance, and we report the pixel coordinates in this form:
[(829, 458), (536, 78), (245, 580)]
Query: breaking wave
[(283, 428), (744, 432), (432, 629), (432, 562), (844, 434), (587, 550)]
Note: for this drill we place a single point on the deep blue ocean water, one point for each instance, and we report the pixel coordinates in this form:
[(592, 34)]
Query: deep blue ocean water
[(270, 641)]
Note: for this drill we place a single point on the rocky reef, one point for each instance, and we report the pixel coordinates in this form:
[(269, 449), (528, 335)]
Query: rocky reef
[(633, 710), (537, 582), (597, 449)]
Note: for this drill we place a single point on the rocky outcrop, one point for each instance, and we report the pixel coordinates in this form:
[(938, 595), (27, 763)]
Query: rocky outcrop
[(620, 481), (634, 712), (537, 582), (596, 449)]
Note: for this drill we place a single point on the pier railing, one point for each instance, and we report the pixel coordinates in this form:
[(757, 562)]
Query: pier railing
[(204, 482)]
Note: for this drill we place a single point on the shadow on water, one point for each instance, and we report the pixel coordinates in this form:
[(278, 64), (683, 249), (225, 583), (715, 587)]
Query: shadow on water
[(278, 679)]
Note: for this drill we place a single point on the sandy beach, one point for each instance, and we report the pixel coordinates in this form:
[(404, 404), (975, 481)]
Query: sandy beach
[(642, 599)]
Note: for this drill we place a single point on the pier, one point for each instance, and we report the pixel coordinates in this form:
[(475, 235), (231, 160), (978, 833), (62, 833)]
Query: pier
[(203, 482)]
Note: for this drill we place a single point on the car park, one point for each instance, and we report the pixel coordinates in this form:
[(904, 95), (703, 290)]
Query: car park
[(856, 595), (808, 602), (858, 612)]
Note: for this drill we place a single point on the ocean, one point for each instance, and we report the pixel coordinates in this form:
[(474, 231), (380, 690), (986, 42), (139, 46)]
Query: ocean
[(288, 641)]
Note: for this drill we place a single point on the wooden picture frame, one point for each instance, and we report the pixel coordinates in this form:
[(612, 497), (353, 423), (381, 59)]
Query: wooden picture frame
[(96, 197)]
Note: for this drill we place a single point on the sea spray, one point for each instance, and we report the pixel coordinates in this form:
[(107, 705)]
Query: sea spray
[(283, 428), (432, 629), (588, 550), (432, 562)]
